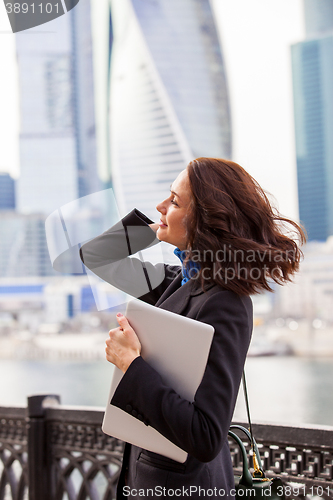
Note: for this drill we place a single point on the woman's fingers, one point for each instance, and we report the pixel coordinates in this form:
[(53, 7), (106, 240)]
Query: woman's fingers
[(154, 226), (123, 322), (130, 338), (123, 345)]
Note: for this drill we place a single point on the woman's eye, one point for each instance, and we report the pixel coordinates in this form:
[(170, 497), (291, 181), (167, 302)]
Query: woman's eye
[(173, 201)]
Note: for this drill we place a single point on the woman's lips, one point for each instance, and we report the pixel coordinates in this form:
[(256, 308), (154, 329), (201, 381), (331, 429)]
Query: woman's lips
[(161, 224)]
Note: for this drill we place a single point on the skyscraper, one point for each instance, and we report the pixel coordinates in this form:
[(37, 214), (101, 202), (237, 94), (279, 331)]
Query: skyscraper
[(23, 248), (83, 99), (169, 99), (318, 17), (57, 138), (312, 65), (7, 192)]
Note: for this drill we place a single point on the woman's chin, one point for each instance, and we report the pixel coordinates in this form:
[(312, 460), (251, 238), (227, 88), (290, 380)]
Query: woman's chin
[(159, 234)]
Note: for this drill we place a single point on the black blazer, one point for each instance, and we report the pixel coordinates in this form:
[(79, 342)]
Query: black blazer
[(199, 427)]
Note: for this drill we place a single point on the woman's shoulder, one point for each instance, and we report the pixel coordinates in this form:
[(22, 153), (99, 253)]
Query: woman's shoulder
[(215, 291), (219, 291), (218, 300)]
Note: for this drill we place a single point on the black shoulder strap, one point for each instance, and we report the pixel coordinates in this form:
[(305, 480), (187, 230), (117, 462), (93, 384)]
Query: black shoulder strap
[(258, 472)]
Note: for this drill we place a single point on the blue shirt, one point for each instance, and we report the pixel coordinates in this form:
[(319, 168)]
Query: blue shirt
[(190, 269)]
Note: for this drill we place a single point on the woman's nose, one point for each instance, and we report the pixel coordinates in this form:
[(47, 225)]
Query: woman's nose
[(161, 208)]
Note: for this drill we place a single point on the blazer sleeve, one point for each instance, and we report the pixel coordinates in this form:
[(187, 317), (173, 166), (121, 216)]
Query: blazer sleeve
[(199, 427), (108, 256)]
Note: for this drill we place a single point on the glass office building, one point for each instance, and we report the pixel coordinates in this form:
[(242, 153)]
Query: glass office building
[(312, 65), (169, 99), (318, 17), (23, 247), (7, 192), (57, 133)]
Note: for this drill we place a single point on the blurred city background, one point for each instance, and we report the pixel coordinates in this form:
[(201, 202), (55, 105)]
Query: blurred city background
[(116, 96)]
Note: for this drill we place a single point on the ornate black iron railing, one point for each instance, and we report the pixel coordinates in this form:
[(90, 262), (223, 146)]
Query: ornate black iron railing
[(52, 452), (13, 454)]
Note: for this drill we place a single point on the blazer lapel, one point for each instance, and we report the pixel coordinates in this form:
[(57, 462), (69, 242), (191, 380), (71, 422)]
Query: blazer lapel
[(176, 296)]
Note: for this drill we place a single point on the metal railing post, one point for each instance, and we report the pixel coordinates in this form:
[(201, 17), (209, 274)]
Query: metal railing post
[(38, 463)]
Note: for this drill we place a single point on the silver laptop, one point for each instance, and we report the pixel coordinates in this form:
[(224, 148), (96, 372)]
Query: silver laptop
[(177, 347)]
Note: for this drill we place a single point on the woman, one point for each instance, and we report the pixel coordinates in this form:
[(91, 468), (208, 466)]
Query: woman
[(231, 244)]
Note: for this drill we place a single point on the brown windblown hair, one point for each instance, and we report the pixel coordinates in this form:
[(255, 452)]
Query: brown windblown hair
[(238, 240)]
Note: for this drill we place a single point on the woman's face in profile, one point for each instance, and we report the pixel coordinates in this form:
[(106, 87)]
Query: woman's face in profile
[(174, 212)]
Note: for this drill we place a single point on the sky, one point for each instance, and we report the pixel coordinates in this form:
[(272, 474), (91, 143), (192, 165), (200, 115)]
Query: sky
[(9, 106), (256, 36)]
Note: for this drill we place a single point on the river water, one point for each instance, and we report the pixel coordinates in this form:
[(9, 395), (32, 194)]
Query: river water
[(288, 390)]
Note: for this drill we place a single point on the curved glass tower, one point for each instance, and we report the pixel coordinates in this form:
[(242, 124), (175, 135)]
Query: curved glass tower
[(312, 65), (169, 100)]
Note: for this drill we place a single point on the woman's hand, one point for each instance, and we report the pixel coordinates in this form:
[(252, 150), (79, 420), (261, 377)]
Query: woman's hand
[(154, 226), (123, 346)]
